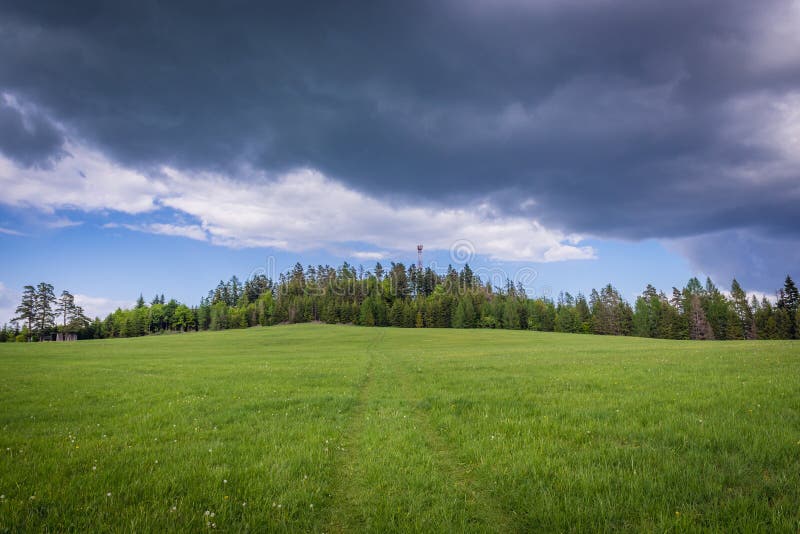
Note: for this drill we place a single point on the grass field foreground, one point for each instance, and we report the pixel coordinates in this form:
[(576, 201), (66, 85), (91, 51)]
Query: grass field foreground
[(334, 428)]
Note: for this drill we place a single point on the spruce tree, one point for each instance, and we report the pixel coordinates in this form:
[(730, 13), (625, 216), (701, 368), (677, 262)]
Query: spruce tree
[(742, 314), (459, 315), (790, 300)]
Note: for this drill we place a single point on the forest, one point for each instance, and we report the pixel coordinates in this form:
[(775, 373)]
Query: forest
[(419, 298)]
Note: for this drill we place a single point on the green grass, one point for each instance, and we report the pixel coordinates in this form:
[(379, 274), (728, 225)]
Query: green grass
[(334, 428)]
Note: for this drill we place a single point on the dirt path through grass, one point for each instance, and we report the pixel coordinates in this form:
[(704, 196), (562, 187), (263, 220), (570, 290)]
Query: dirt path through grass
[(390, 478)]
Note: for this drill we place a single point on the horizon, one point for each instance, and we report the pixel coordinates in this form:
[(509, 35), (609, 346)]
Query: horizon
[(143, 151)]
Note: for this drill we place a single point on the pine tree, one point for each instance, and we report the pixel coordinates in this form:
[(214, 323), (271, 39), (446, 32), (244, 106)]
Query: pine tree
[(743, 314), (765, 322), (72, 316), (791, 295), (367, 316), (26, 311), (43, 307), (459, 316), (790, 301), (469, 312), (784, 323)]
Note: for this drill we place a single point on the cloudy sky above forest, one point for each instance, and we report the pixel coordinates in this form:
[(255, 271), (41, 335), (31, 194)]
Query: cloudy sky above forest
[(543, 133)]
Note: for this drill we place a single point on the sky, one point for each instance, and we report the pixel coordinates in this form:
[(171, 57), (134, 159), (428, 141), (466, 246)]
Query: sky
[(150, 147)]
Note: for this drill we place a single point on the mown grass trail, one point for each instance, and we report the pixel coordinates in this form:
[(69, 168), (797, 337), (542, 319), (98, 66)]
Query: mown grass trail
[(344, 429)]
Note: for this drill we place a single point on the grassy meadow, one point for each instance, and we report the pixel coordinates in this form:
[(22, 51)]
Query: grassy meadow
[(345, 429)]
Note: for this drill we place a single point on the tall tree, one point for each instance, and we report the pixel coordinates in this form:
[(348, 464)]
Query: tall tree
[(745, 326), (66, 306), (26, 311), (789, 299), (43, 310)]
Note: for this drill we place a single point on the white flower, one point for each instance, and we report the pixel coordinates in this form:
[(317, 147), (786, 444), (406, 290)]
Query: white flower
[(108, 494), (207, 513), (224, 481)]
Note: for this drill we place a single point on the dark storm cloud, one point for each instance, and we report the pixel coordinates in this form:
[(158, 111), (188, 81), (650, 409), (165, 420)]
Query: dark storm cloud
[(618, 117), (750, 257), (28, 138)]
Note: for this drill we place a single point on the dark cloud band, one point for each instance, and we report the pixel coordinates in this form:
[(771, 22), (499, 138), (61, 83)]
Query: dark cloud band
[(621, 118)]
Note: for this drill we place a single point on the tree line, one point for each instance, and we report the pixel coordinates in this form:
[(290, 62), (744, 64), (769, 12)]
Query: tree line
[(421, 298)]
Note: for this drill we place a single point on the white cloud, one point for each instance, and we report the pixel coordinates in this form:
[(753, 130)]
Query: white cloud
[(62, 222), (369, 255), (296, 211), (192, 231), (9, 231), (304, 209), (100, 306), (84, 180)]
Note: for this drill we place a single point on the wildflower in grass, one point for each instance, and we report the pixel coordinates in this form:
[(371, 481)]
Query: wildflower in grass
[(226, 497), (207, 513), (224, 481), (33, 497), (2, 497), (173, 509), (244, 504), (108, 494)]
